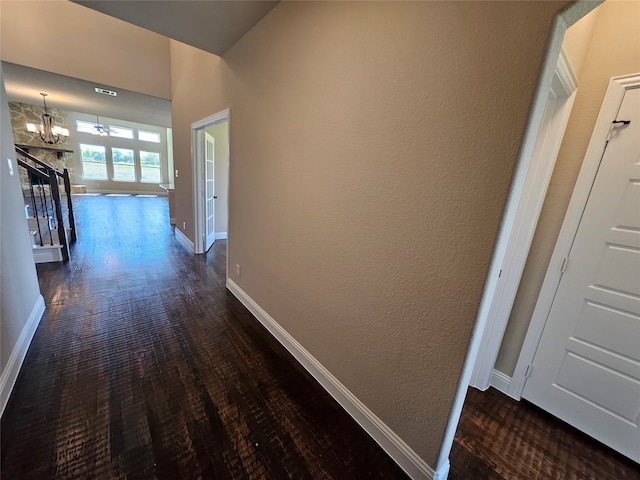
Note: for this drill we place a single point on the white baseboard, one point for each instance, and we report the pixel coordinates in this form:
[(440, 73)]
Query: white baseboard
[(390, 442), (443, 472), (221, 236), (500, 381), (12, 368), (182, 238), (160, 193)]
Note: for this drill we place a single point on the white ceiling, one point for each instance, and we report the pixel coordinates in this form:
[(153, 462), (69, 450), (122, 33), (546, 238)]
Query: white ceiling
[(23, 84), (213, 26)]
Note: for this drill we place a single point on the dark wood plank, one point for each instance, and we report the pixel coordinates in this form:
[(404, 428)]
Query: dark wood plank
[(499, 438), (145, 366)]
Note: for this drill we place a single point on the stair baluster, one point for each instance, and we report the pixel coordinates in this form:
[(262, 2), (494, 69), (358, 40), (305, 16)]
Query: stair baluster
[(72, 221), (55, 194), (45, 205), (35, 208)]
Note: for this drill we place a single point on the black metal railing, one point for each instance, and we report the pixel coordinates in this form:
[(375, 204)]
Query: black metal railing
[(64, 175), (44, 193)]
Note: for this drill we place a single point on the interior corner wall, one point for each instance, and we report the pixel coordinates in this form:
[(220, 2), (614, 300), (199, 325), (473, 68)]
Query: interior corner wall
[(19, 289), (372, 150), (614, 50), (577, 39), (195, 94), (72, 40)]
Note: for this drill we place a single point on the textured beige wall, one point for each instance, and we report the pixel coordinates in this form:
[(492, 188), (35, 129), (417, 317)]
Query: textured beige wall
[(19, 288), (195, 94), (69, 39), (220, 133), (372, 147), (614, 50)]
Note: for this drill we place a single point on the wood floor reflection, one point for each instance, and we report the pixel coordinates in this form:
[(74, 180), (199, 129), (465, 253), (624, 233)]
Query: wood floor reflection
[(501, 439), (145, 366)]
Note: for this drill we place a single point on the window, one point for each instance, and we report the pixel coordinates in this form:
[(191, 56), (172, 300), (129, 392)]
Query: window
[(150, 167), (94, 162), (123, 165), (128, 152), (120, 132), (148, 136), (85, 127)]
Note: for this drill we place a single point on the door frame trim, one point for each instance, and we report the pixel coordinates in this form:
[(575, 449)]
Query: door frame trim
[(521, 218), (197, 159), (608, 112)]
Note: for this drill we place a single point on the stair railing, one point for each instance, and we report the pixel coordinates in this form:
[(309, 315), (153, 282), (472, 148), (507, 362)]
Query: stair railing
[(64, 174), (39, 196), (39, 180)]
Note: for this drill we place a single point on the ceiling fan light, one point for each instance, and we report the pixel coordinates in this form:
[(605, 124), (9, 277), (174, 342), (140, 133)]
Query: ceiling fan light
[(98, 128)]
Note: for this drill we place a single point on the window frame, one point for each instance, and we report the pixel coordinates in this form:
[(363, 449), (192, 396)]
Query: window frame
[(146, 132), (159, 166), (114, 163), (82, 162), (110, 142), (121, 128)]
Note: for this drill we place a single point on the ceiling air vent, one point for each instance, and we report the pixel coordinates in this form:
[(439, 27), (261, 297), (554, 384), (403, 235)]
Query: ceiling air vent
[(106, 92)]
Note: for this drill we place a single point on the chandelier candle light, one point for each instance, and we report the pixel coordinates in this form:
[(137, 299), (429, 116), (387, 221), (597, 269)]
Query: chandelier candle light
[(49, 133)]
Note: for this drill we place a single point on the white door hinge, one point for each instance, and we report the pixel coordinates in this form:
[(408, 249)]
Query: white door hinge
[(565, 262), (528, 371)]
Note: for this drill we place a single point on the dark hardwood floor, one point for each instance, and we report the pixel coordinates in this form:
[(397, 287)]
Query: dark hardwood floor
[(145, 366), (501, 439)]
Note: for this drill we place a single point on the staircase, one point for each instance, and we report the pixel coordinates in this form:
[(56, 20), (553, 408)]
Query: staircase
[(50, 236)]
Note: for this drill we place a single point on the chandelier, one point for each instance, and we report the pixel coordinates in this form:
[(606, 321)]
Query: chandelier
[(49, 133)]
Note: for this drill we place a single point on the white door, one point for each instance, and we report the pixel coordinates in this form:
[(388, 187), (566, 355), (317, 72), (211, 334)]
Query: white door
[(209, 191), (586, 370)]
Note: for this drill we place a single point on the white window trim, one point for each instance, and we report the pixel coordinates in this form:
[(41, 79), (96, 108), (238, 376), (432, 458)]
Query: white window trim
[(109, 142)]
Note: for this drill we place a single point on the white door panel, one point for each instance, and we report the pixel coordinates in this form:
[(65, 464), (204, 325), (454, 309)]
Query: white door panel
[(597, 391), (597, 320), (619, 270), (209, 191), (586, 369)]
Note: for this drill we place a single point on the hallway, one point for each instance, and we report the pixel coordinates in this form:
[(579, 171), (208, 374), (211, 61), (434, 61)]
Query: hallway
[(145, 366)]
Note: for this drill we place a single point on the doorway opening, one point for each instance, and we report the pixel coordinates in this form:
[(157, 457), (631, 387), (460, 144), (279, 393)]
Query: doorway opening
[(210, 147)]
